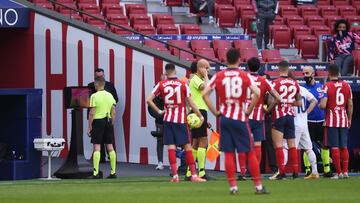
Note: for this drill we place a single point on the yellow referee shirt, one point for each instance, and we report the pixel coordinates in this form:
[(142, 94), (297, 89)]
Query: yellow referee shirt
[(102, 101), (196, 94)]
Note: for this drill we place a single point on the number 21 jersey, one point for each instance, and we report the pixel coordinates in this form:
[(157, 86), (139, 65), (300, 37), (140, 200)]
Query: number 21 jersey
[(174, 92), (231, 86), (288, 88), (337, 92)]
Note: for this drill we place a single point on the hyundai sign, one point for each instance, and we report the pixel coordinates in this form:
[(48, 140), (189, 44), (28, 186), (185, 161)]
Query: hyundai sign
[(13, 15)]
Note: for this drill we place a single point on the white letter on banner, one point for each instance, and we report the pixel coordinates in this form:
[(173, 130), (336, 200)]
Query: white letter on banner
[(16, 17)]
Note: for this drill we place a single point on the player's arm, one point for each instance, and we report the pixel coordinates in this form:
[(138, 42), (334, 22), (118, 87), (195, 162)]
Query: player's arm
[(255, 91), (350, 108), (91, 119), (324, 99), (273, 99), (297, 100), (113, 114), (152, 105), (194, 108), (202, 86), (313, 103), (206, 96)]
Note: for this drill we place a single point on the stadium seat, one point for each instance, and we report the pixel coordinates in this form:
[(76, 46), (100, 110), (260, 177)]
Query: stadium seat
[(135, 9), (347, 11), (190, 29), (221, 54), (167, 29), (353, 19), (323, 2), (356, 57), (118, 19), (288, 10), (314, 20), (279, 20), (112, 9), (163, 19), (205, 52), (320, 30), (271, 55), (340, 2), (75, 16), (241, 2), (298, 32), (121, 31), (245, 10), (65, 10), (69, 3), (272, 73), (109, 2), (46, 5), (194, 11), (281, 37), (243, 44), (221, 44), (309, 47), (90, 8), (246, 23), (248, 53), (145, 29), (93, 21), (328, 11), (356, 29), (297, 73), (154, 44), (294, 20), (173, 2), (178, 43), (285, 2), (330, 20), (321, 73), (226, 16), (308, 10), (140, 20), (198, 44), (186, 56)]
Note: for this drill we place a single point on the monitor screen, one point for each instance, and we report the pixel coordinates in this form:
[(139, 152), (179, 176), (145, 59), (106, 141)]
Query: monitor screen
[(77, 97)]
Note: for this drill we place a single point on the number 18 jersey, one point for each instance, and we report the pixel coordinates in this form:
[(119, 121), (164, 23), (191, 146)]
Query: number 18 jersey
[(337, 92), (288, 88), (174, 92), (231, 86)]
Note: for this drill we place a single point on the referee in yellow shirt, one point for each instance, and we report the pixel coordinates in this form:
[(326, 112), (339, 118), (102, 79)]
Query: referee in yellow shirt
[(101, 125), (199, 135)]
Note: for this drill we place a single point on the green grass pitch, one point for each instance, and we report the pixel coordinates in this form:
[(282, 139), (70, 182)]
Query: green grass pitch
[(151, 189)]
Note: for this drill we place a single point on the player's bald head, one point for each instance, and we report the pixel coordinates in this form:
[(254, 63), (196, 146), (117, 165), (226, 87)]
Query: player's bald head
[(202, 63), (308, 70)]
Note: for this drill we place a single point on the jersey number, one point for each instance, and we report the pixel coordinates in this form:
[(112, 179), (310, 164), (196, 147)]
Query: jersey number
[(284, 90), (233, 87), (302, 108), (169, 93), (339, 97)]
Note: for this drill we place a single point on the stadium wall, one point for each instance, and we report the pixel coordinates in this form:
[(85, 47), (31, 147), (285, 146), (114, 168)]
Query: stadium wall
[(51, 55)]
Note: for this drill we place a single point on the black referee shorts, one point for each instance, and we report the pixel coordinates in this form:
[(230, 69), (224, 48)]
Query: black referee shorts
[(316, 130), (202, 130), (102, 131)]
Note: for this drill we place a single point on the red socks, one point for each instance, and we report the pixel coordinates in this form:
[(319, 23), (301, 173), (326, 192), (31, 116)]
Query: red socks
[(190, 161), (172, 161), (254, 168), (242, 162), (335, 154), (293, 159), (230, 168), (344, 153), (258, 153), (280, 159)]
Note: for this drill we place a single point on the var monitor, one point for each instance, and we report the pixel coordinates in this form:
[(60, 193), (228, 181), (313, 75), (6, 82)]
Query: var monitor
[(77, 97)]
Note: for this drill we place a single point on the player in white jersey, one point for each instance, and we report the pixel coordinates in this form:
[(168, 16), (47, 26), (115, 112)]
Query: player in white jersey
[(302, 136)]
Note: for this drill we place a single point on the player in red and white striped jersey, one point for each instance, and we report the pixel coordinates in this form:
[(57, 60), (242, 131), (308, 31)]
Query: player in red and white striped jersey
[(176, 93), (283, 116), (257, 116), (231, 86), (338, 105)]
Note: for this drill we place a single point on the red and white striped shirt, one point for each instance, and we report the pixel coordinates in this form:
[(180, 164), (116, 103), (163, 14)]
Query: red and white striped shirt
[(231, 86), (288, 88), (174, 92), (265, 86), (338, 92)]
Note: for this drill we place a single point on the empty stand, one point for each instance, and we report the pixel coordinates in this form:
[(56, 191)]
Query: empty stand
[(190, 29), (199, 44), (222, 44), (167, 29)]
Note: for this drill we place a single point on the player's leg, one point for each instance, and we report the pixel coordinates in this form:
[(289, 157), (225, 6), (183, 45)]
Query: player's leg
[(97, 134), (170, 141), (258, 131), (306, 144), (227, 146), (242, 162), (289, 135), (277, 133), (325, 150), (332, 140), (108, 140), (195, 145), (201, 155), (344, 153)]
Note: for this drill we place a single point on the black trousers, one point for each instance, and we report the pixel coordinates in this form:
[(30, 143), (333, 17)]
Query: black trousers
[(262, 23)]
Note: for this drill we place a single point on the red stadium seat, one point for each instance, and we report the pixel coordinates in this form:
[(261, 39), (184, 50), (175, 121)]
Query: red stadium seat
[(90, 8), (145, 29), (323, 2), (246, 24), (285, 2), (227, 16), (297, 73), (271, 55), (308, 10), (46, 5), (198, 44), (194, 11), (356, 57), (294, 20), (347, 11), (163, 19), (272, 73), (190, 29), (135, 9), (75, 16), (221, 44), (340, 2), (205, 52), (221, 54), (330, 20), (328, 11), (94, 21), (353, 19), (300, 31), (167, 29), (244, 10), (112, 9), (281, 37), (154, 44), (314, 20), (186, 56), (279, 20), (288, 10), (309, 47), (241, 2), (69, 3), (118, 19), (121, 31), (64, 10), (140, 20), (243, 44), (248, 53), (174, 2), (321, 73), (320, 30), (178, 43)]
